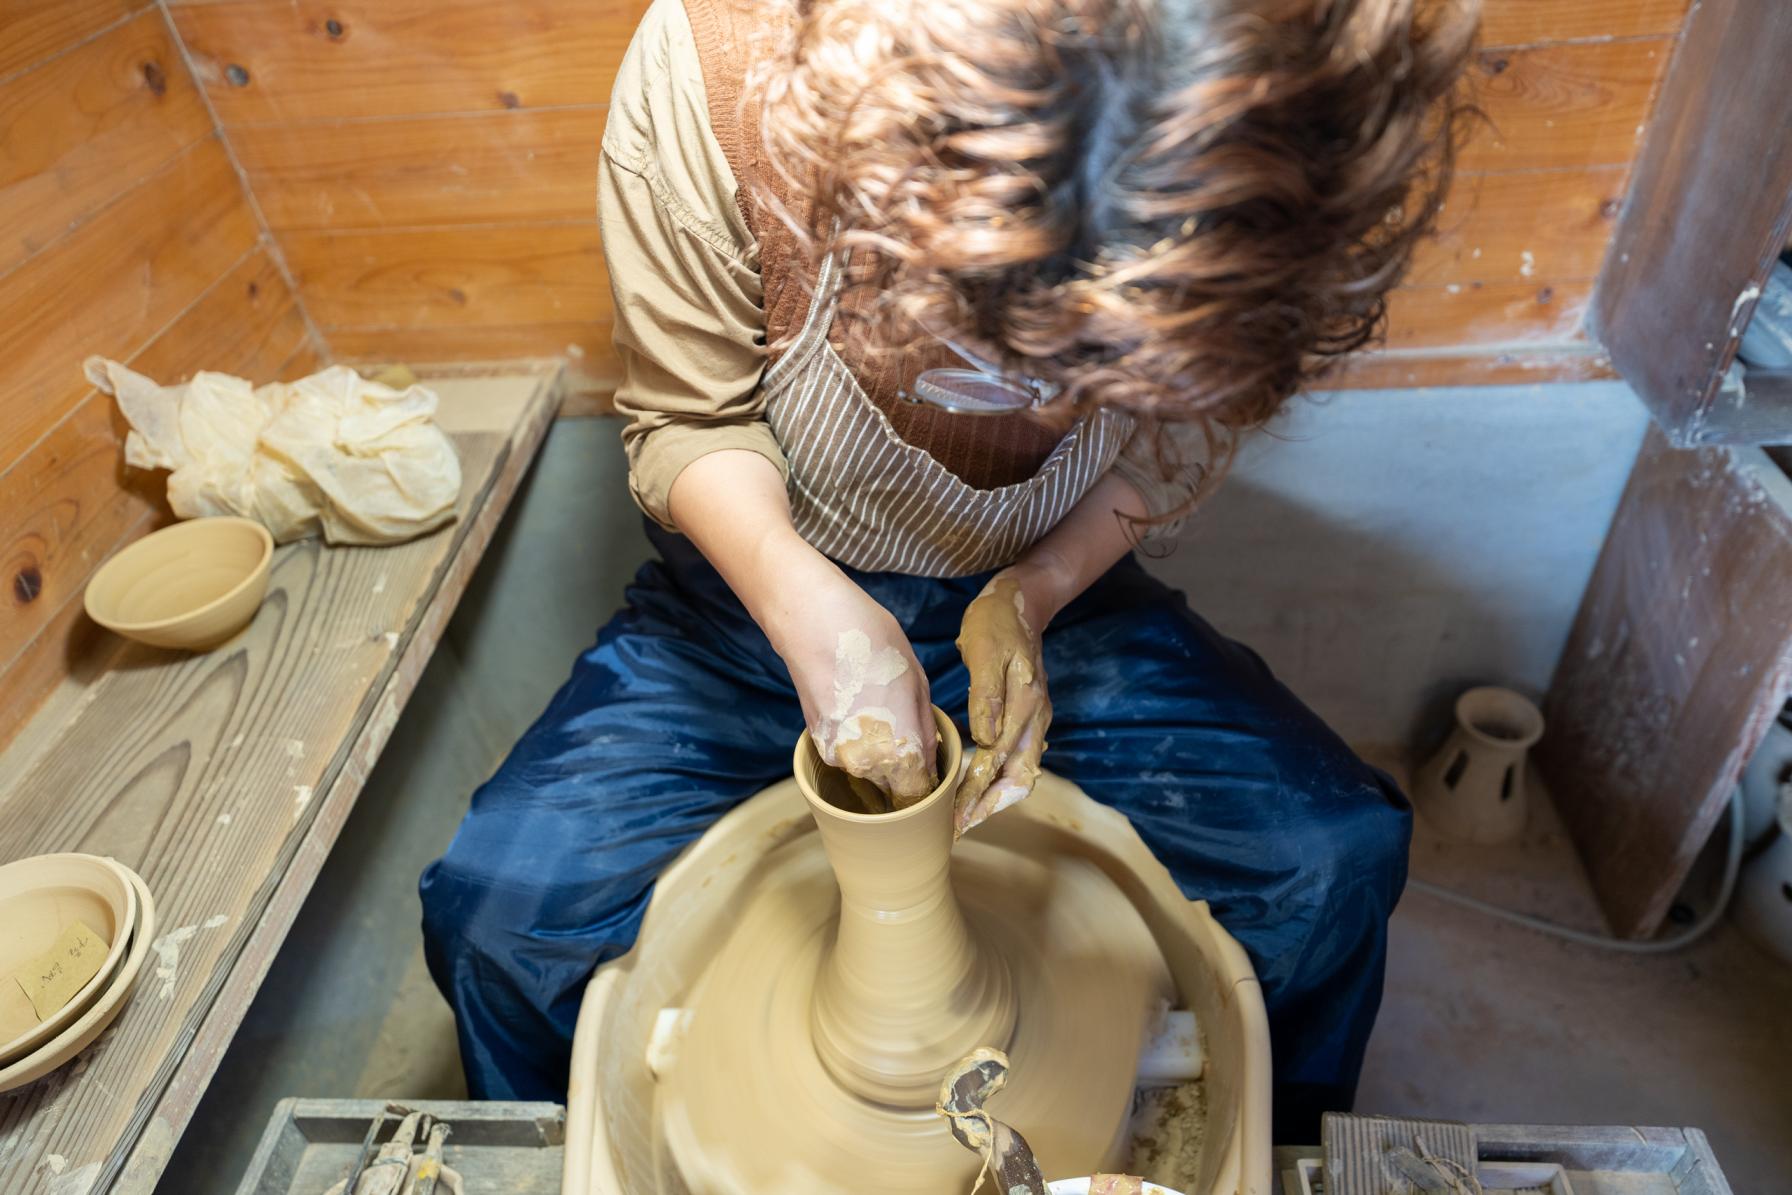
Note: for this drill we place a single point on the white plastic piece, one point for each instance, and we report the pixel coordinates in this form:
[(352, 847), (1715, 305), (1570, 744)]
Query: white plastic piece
[(1306, 1178), (1767, 341), (1172, 1052), (1762, 784), (1080, 1186), (662, 1044), (1764, 897)]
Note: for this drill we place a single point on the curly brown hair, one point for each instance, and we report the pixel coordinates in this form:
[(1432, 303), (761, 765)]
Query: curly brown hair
[(1186, 209)]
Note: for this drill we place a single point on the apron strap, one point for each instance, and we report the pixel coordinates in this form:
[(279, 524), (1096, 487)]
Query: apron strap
[(814, 332)]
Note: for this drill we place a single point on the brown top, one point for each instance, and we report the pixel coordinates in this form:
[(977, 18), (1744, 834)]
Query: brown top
[(984, 451)]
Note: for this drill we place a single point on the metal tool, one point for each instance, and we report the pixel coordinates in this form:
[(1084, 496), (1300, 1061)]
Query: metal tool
[(980, 387), (368, 1143)]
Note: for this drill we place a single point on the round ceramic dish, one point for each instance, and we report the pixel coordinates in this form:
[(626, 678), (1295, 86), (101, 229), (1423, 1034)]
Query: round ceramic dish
[(192, 585), (102, 1011), (39, 898)]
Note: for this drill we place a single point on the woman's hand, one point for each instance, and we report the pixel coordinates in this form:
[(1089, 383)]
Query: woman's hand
[(1010, 709), (1001, 645), (864, 694)]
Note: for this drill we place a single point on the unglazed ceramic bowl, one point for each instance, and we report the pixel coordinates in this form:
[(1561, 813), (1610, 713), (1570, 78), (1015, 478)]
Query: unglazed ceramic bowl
[(192, 585), (40, 898), (105, 1007)]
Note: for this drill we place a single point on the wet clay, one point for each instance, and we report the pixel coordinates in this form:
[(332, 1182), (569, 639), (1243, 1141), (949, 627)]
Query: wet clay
[(1009, 707), (856, 975), (859, 734), (904, 991)]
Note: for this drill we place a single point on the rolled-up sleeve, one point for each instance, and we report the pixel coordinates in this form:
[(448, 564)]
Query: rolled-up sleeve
[(689, 329), (1169, 465)]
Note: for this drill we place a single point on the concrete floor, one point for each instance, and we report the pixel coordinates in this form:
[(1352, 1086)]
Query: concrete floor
[(1489, 1022), (1482, 1021)]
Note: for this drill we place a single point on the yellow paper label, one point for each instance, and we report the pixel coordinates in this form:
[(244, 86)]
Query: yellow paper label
[(52, 979)]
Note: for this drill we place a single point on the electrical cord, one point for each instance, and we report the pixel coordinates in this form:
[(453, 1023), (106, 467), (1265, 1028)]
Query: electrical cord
[(1732, 866)]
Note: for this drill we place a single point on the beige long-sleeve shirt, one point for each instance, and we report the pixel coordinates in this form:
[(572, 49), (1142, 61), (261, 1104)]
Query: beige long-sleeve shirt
[(684, 269)]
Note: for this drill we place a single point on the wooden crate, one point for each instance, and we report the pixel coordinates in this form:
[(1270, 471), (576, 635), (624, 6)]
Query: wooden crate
[(310, 1144), (1597, 1159)]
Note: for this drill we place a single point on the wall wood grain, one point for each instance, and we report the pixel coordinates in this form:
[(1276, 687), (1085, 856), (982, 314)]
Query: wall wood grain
[(370, 131), (125, 231)]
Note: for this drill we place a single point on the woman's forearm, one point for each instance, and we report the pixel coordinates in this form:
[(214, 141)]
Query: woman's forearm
[(1085, 544), (733, 505), (864, 695)]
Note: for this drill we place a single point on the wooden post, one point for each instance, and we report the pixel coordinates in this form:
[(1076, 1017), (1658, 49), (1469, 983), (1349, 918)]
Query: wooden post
[(1705, 219)]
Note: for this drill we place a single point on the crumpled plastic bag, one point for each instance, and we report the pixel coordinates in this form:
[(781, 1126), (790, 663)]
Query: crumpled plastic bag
[(334, 453)]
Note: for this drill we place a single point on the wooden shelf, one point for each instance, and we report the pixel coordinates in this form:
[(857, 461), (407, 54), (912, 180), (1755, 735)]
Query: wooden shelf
[(223, 779)]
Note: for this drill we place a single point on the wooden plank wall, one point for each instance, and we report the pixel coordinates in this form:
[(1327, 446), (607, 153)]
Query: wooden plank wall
[(1566, 89), (427, 167), (1704, 227), (422, 173), (124, 230)]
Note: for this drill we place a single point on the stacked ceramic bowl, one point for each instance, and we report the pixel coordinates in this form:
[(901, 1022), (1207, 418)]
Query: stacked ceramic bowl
[(59, 915)]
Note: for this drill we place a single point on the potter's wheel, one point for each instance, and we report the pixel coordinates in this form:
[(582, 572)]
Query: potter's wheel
[(619, 1141), (748, 1105)]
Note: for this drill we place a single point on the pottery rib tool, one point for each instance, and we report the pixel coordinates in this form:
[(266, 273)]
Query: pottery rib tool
[(1006, 1154)]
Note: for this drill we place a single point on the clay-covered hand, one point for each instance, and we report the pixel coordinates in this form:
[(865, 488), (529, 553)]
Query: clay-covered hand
[(1010, 710), (864, 694)]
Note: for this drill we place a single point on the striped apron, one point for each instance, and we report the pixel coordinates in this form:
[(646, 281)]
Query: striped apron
[(864, 497)]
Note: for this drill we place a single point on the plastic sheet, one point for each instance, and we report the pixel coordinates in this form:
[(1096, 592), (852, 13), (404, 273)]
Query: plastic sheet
[(332, 454)]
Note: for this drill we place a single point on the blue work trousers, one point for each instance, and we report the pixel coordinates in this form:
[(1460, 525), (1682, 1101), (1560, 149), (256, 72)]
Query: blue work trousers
[(681, 710)]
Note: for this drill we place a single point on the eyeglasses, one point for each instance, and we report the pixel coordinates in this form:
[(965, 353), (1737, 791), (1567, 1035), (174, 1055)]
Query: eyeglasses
[(973, 392), (983, 389)]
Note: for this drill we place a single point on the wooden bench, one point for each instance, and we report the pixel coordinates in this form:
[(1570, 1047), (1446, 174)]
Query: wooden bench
[(223, 779)]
